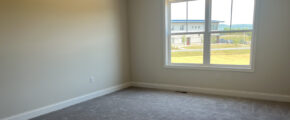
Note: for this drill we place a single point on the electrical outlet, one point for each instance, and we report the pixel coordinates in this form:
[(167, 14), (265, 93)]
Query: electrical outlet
[(92, 79)]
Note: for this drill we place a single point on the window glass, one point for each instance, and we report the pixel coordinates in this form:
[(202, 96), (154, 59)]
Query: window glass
[(221, 14), (243, 15), (196, 14), (187, 48), (178, 14), (227, 40), (231, 48)]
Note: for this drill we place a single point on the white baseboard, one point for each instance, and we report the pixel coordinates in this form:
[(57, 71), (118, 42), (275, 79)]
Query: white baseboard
[(67, 103), (234, 93)]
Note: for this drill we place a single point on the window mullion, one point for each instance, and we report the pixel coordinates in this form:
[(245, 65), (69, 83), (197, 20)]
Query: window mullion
[(231, 21), (168, 47), (206, 54), (186, 16)]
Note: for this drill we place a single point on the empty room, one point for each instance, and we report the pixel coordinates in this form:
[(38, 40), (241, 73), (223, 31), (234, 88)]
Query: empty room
[(144, 59)]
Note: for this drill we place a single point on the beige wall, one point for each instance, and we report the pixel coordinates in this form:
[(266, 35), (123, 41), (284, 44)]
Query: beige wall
[(272, 54), (50, 48)]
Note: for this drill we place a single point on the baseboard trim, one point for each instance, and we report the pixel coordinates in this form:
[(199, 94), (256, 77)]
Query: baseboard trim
[(67, 103), (233, 93)]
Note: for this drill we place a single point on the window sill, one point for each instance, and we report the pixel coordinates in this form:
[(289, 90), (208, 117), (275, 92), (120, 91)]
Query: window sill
[(236, 68)]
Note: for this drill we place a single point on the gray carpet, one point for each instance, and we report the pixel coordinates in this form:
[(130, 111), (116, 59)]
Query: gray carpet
[(150, 104)]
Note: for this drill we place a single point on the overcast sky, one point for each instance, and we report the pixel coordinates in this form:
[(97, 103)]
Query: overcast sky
[(221, 10)]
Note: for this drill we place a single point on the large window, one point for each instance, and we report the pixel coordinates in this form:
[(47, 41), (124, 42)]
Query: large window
[(212, 34)]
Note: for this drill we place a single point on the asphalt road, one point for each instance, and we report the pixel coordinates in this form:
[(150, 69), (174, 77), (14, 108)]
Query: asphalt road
[(215, 49)]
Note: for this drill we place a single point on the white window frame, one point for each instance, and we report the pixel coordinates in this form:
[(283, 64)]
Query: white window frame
[(206, 61)]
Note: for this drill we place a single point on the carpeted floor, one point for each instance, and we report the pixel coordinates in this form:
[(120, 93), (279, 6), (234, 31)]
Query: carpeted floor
[(150, 104)]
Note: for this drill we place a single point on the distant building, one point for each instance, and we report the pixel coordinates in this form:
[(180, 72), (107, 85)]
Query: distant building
[(178, 26), (193, 25)]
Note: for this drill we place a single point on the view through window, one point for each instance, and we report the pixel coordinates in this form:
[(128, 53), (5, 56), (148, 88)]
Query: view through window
[(211, 32)]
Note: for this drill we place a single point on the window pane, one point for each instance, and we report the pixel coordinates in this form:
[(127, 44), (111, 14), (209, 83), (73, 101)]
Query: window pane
[(232, 15), (178, 15), (221, 15), (187, 49), (188, 20), (243, 14), (231, 48), (196, 16)]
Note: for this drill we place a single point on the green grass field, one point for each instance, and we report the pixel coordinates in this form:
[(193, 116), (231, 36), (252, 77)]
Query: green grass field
[(213, 46), (218, 55), (232, 57)]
